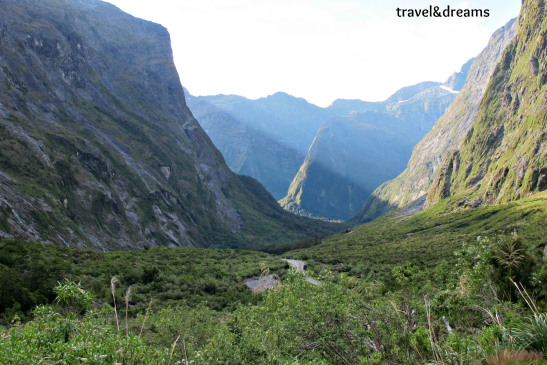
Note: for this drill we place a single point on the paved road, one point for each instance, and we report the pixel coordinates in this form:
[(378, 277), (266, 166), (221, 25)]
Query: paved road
[(300, 266), (259, 284), (297, 264)]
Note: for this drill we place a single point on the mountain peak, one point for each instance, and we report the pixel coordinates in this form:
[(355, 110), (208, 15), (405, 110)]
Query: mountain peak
[(408, 92), (457, 79), (448, 131)]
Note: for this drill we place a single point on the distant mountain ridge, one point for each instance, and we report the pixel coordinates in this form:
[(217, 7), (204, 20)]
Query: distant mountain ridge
[(353, 154), (450, 129), (266, 139), (269, 138)]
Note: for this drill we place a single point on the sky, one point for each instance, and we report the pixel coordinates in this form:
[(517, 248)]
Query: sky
[(320, 50)]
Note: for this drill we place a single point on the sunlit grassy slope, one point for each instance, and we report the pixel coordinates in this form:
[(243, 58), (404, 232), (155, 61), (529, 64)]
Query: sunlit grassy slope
[(428, 237)]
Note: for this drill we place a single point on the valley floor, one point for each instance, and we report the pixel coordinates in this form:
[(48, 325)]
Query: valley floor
[(466, 287)]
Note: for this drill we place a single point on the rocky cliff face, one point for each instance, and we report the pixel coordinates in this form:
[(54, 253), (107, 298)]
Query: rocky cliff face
[(449, 131), (97, 145), (353, 154), (504, 155)]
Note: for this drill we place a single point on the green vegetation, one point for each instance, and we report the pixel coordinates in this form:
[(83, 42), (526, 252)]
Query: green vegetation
[(448, 131), (423, 289), (60, 334), (503, 157), (170, 276), (459, 314), (373, 249), (450, 285)]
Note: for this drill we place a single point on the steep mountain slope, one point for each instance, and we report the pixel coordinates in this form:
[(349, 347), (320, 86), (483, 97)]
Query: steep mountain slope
[(289, 120), (247, 150), (329, 182), (269, 137), (504, 155), (352, 155), (457, 80), (449, 130), (97, 145)]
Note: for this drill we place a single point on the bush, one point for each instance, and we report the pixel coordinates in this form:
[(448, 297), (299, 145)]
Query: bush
[(61, 336)]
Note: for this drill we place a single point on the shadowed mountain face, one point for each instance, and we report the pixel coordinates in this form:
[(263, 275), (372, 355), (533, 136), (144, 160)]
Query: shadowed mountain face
[(98, 147), (266, 138), (503, 157), (354, 154), (449, 130), (248, 150), (332, 179)]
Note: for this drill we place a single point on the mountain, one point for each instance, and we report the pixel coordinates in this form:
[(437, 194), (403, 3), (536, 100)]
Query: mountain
[(416, 179), (352, 155), (269, 138), (290, 120), (408, 92), (457, 80), (503, 157), (246, 149), (341, 107), (98, 148), (329, 181), (266, 138)]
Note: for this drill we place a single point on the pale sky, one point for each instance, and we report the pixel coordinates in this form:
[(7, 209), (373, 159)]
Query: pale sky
[(320, 50)]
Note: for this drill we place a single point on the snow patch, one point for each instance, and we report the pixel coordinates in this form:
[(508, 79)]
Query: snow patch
[(449, 89)]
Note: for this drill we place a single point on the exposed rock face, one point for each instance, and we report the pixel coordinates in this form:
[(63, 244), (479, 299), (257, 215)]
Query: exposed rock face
[(449, 131), (457, 80), (97, 145), (352, 155), (504, 155)]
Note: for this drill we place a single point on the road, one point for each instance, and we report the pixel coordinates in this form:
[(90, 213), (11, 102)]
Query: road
[(259, 284), (300, 266)]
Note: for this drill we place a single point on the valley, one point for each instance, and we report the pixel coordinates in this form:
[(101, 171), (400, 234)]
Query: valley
[(137, 220), (302, 153)]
